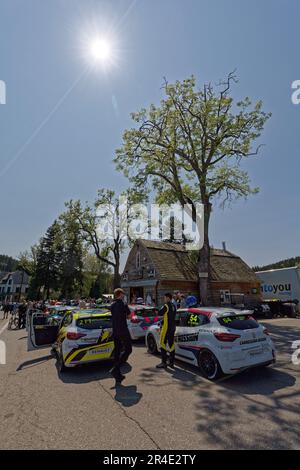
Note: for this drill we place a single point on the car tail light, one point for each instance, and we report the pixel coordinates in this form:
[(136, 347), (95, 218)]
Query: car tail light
[(74, 336), (134, 318), (226, 337)]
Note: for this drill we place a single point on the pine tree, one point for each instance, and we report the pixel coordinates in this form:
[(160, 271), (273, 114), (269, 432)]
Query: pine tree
[(49, 259)]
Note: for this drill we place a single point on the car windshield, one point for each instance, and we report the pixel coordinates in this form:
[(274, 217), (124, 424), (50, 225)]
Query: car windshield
[(95, 311), (238, 322), (94, 323)]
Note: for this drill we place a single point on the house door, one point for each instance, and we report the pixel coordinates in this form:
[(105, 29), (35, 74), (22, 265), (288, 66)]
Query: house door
[(136, 292)]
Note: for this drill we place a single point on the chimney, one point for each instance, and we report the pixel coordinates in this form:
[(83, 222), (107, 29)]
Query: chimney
[(224, 246)]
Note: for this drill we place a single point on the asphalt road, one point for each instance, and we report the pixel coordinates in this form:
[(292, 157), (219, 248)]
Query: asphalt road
[(82, 409)]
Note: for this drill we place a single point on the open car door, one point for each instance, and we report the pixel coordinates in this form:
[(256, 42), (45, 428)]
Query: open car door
[(41, 333)]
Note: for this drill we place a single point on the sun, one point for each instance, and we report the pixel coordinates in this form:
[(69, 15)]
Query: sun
[(99, 47), (100, 50)]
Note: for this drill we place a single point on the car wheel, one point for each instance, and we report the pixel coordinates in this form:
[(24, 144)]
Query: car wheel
[(209, 365), (151, 344), (60, 363)]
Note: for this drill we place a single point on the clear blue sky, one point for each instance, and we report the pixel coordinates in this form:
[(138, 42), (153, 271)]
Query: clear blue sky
[(70, 157)]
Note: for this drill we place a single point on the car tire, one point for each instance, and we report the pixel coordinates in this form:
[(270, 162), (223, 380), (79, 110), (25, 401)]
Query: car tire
[(151, 344), (209, 365), (60, 363)]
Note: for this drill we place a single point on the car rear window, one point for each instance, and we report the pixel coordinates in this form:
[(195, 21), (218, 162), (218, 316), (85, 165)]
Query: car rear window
[(146, 312), (92, 323), (238, 322)]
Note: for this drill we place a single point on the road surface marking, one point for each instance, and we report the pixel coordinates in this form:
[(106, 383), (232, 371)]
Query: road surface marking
[(3, 328)]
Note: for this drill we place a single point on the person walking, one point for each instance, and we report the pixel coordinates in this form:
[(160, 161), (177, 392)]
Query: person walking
[(6, 310), (168, 312), (22, 315), (121, 335)]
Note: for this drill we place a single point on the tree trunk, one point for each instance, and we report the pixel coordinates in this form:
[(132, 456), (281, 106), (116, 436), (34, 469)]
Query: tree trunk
[(204, 258), (117, 277)]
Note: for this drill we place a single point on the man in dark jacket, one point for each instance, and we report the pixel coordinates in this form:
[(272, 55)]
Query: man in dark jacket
[(121, 335), (167, 334)]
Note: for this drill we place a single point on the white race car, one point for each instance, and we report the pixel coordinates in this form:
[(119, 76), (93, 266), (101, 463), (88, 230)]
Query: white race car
[(140, 319), (217, 340)]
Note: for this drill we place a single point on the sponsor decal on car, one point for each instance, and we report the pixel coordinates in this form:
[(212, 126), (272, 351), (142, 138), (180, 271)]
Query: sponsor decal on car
[(250, 341), (98, 351), (186, 338)]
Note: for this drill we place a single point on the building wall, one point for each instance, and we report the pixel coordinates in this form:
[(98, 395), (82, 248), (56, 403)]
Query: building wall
[(132, 272), (11, 292), (235, 288), (144, 271), (184, 287), (145, 267)]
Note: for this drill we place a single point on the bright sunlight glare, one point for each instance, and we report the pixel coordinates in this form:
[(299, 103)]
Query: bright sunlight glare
[(100, 50), (99, 45)]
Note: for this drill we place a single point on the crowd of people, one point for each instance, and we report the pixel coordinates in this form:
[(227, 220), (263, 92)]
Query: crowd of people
[(15, 308), (178, 299)]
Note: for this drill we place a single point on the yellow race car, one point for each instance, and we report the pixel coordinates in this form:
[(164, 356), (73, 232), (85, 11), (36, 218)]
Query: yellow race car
[(81, 337)]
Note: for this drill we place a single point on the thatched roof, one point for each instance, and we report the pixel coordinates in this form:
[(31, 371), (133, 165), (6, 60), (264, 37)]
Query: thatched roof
[(227, 267), (173, 262)]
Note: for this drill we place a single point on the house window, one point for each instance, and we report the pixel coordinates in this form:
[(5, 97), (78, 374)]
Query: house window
[(225, 296), (138, 260)]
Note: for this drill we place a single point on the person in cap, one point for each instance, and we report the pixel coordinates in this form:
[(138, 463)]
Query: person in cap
[(121, 335)]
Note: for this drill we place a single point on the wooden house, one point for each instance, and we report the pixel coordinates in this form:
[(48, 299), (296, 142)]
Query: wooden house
[(154, 268)]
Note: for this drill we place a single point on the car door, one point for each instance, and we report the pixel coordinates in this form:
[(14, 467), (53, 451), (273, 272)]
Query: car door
[(188, 335), (181, 336), (41, 333)]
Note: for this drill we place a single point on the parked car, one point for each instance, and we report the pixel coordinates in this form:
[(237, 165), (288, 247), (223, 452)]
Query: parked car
[(217, 340), (140, 319), (81, 337), (56, 313), (261, 310)]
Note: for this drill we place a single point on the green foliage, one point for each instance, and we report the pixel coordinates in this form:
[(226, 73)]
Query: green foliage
[(48, 262), (189, 148), (106, 210), (286, 263), (7, 263)]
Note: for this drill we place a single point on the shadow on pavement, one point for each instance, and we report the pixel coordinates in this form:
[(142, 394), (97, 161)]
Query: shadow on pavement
[(34, 362), (283, 335), (86, 373), (127, 395)]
